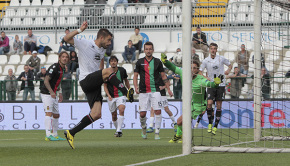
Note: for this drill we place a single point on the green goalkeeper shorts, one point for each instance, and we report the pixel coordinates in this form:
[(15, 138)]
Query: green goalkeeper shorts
[(197, 110)]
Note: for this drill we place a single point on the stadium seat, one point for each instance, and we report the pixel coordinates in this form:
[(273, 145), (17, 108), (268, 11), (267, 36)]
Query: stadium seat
[(120, 10), (61, 21), (120, 58), (150, 19), (177, 10), (81, 2), (57, 3), (280, 77), (75, 11), (31, 12), (72, 21), (142, 10), (159, 47), (14, 3), (42, 58), (10, 12), (163, 10), (27, 21), (230, 56), (48, 3), (243, 8), (161, 19), (131, 10), (36, 3), (14, 60), (6, 21), (21, 12), (42, 12), (142, 55), (49, 21), (25, 3), (2, 77), (64, 11), (157, 55), (128, 68), (19, 70), (275, 88), (38, 21), (52, 58), (153, 10), (24, 59), (3, 59), (68, 2), (47, 66), (6, 68)]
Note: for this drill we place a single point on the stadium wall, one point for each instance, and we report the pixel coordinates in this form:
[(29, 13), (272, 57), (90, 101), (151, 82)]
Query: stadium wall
[(235, 114), (236, 38)]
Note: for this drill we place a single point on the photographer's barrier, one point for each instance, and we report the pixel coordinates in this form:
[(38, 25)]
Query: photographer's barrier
[(235, 114)]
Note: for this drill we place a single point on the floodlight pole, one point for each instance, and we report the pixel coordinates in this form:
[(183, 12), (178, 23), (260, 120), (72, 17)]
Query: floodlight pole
[(186, 76), (257, 71)]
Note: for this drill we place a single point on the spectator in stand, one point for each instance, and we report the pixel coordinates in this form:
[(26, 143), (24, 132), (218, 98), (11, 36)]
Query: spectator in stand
[(34, 63), (173, 1), (74, 62), (200, 42), (243, 60), (64, 45), (30, 42), (177, 51), (129, 54), (236, 83), (11, 85), (17, 45), (40, 77), (120, 2), (144, 1), (27, 78), (194, 56), (177, 86), (266, 87), (137, 39), (108, 53), (66, 84), (4, 43)]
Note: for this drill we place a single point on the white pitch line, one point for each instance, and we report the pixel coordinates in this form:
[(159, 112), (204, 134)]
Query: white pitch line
[(14, 139), (152, 161)]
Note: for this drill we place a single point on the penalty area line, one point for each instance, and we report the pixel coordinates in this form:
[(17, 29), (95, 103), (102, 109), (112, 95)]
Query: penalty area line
[(152, 161)]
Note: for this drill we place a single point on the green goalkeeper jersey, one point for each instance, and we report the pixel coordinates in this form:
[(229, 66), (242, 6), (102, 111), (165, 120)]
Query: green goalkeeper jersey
[(199, 84)]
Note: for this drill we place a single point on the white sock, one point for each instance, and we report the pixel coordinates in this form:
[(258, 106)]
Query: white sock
[(54, 126), (116, 123), (173, 119), (143, 122), (47, 124), (158, 119), (151, 120), (120, 123)]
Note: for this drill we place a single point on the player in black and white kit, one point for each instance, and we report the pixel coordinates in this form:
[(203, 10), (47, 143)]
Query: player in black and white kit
[(50, 100), (93, 75), (116, 100), (214, 64)]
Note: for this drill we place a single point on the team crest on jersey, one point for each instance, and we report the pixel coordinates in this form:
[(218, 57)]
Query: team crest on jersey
[(50, 71), (47, 108), (121, 85), (215, 67), (149, 67), (97, 57)]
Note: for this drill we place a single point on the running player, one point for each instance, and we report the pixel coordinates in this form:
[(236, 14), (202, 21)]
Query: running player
[(150, 69), (214, 64), (50, 98), (199, 83), (115, 97), (93, 75)]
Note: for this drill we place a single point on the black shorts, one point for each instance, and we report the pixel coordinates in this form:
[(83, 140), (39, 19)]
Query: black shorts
[(92, 87), (216, 94)]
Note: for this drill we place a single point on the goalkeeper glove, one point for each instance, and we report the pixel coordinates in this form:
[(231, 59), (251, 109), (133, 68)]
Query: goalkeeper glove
[(163, 58), (217, 80)]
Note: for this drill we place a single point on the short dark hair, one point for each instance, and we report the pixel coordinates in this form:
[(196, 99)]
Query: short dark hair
[(137, 28), (129, 41), (198, 27), (66, 29), (148, 44), (213, 44), (113, 57), (195, 62), (104, 33), (29, 29), (235, 67)]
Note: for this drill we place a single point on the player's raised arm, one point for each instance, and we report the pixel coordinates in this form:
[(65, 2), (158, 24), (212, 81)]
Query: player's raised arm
[(170, 65), (69, 38)]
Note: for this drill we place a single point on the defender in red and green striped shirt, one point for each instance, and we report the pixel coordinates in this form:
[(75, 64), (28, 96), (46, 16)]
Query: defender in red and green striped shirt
[(116, 99), (149, 69)]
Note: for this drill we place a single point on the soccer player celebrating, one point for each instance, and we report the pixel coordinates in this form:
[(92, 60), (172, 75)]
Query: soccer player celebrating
[(199, 83), (115, 97), (93, 75), (49, 96), (150, 69), (214, 64)]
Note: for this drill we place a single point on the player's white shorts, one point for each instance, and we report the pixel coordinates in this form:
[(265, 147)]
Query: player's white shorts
[(115, 102), (164, 101), (148, 100), (50, 104)]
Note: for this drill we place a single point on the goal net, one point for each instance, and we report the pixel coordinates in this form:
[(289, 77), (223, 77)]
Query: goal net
[(231, 26)]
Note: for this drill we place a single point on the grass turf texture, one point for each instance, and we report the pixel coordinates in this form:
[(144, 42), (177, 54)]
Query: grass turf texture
[(100, 147)]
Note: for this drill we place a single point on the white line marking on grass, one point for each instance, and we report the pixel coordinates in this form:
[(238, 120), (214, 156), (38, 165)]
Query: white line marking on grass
[(152, 161)]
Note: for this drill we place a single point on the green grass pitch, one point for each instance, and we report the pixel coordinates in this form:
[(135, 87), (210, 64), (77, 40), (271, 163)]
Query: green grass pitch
[(100, 147)]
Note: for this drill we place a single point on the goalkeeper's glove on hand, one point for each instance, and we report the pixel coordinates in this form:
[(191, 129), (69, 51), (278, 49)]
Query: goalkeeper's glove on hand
[(217, 80), (163, 58)]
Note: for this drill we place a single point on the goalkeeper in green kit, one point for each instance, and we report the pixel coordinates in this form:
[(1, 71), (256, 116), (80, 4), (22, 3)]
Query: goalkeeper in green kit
[(199, 84)]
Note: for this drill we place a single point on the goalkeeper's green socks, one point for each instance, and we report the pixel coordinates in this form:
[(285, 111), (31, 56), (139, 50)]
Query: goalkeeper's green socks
[(179, 131)]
